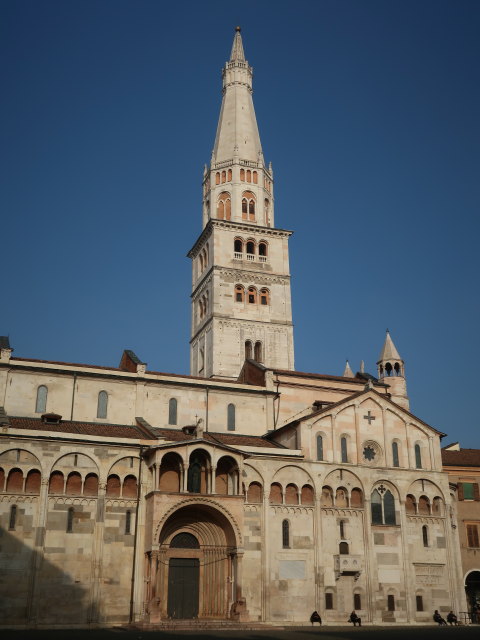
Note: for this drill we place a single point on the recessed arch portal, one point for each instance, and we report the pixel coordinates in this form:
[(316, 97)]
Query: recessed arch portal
[(198, 546)]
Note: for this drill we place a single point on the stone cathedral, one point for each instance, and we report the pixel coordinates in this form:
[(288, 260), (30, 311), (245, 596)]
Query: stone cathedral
[(245, 491)]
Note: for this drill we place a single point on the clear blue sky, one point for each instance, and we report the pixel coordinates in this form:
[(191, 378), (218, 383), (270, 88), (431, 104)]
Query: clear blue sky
[(369, 112)]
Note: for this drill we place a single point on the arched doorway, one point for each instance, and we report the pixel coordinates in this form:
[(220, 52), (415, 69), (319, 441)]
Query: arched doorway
[(196, 573), (472, 588)]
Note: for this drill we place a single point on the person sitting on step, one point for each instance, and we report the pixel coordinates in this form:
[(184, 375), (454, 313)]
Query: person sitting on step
[(438, 618), (315, 617), (355, 619)]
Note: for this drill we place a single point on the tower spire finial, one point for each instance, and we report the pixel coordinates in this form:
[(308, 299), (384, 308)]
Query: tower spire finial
[(237, 54)]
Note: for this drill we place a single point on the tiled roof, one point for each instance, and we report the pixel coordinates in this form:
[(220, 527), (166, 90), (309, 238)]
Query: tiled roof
[(228, 439), (462, 458), (81, 428)]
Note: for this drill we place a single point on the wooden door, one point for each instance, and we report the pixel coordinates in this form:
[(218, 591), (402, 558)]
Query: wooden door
[(183, 591)]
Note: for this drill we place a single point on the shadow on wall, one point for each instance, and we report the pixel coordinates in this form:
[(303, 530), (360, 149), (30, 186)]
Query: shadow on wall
[(35, 591)]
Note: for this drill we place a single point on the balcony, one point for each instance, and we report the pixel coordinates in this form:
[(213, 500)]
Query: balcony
[(249, 257), (347, 564)]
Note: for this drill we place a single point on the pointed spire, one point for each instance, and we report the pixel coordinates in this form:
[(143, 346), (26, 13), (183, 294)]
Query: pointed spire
[(237, 54), (389, 350), (362, 366), (348, 373), (237, 131)]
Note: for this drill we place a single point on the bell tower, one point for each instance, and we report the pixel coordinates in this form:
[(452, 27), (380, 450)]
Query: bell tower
[(391, 370), (241, 303)]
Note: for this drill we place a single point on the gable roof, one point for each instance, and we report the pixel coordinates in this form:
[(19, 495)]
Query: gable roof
[(347, 400)]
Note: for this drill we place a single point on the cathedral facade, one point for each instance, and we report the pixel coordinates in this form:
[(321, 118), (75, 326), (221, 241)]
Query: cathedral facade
[(245, 490)]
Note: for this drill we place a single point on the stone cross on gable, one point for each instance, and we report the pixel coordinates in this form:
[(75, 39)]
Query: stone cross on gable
[(369, 417)]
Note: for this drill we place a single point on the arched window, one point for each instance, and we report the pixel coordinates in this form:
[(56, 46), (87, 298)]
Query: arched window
[(343, 548), (391, 602), (356, 497), (342, 529), (41, 404), (15, 481), (276, 496), (319, 448), (172, 411), (286, 534), (425, 535), (70, 516), (12, 523), (90, 486), (262, 249), (130, 487), (32, 484), (255, 177), (239, 293), (343, 448), (238, 245), (231, 417), (264, 297), (254, 493), (248, 205), (396, 460), (56, 483), (383, 506), (258, 352), (307, 495), (424, 505), (224, 206), (74, 484), (357, 601), (266, 207), (291, 494), (229, 175), (252, 295), (418, 456), (242, 175), (113, 486), (248, 350), (128, 522), (410, 505), (328, 600), (217, 178), (224, 176), (327, 497), (250, 248), (249, 175), (102, 404)]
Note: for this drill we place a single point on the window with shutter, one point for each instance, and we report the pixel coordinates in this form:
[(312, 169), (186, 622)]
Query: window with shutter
[(467, 490), (472, 536)]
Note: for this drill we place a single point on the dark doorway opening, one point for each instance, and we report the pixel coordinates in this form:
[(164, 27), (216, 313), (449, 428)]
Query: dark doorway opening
[(183, 581)]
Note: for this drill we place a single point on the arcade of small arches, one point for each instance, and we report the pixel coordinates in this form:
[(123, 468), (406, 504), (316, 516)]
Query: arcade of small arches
[(250, 249), (254, 351), (72, 475), (251, 295), (389, 369), (196, 474)]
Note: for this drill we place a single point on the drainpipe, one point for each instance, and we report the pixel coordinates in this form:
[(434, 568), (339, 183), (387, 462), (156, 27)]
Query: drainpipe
[(277, 397), (134, 564), (206, 409), (73, 395)]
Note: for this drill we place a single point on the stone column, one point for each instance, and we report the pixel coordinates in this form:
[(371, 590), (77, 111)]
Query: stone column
[(408, 569), (38, 550), (265, 550), (211, 488), (368, 545), (97, 553), (185, 476)]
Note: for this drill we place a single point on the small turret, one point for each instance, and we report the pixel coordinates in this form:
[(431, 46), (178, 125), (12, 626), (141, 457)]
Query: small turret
[(347, 372), (391, 370)]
